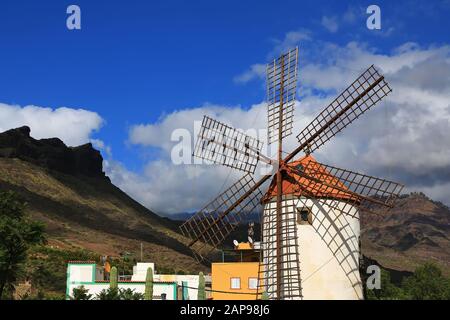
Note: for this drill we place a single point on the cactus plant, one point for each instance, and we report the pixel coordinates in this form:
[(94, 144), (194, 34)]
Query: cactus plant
[(113, 278), (149, 285), (201, 295)]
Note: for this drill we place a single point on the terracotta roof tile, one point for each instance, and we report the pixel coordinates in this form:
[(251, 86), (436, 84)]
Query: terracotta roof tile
[(294, 184)]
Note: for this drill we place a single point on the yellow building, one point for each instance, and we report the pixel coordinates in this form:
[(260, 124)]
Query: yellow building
[(236, 277)]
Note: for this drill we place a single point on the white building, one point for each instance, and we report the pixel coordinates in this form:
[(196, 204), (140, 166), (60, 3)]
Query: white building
[(140, 271), (327, 239), (170, 287), (188, 283)]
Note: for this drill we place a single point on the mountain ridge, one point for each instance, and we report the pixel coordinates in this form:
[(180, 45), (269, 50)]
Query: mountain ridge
[(66, 188)]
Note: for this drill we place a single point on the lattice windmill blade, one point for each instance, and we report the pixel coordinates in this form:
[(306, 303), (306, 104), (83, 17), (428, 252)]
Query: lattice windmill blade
[(209, 227), (222, 144), (324, 181), (281, 88), (287, 242), (367, 90)]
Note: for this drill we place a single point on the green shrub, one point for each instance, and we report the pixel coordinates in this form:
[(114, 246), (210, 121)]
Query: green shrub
[(80, 293), (129, 294), (108, 294), (387, 291), (119, 294), (427, 283)]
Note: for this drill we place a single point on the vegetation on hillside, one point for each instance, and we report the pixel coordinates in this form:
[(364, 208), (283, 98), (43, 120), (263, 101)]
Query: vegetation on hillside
[(427, 283), (17, 234), (76, 209), (46, 270)]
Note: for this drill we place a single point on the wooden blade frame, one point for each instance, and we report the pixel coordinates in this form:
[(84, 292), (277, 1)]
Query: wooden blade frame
[(361, 95), (281, 89), (212, 224), (350, 187), (280, 260), (316, 134), (222, 144)]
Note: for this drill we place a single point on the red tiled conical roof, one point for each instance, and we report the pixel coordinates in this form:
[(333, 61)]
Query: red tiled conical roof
[(294, 184)]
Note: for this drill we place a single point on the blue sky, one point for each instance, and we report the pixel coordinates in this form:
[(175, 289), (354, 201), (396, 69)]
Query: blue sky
[(135, 62)]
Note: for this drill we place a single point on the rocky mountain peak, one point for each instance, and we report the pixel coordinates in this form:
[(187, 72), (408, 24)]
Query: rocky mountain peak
[(51, 153)]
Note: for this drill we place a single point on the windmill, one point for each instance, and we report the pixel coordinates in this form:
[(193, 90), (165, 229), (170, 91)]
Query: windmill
[(296, 185)]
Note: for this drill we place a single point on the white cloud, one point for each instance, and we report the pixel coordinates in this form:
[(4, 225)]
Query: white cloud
[(405, 138), (291, 39), (158, 134), (101, 145), (258, 70), (167, 188), (73, 126), (330, 23), (255, 71)]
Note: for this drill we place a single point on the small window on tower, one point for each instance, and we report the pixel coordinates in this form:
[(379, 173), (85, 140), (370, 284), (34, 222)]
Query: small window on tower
[(304, 216)]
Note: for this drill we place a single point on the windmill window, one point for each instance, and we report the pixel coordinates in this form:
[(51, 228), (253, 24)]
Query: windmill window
[(304, 216)]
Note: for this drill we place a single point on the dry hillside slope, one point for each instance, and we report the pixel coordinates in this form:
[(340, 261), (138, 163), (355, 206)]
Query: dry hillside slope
[(415, 231), (67, 190)]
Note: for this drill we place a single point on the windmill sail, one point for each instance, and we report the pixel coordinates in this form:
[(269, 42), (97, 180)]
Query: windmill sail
[(354, 188), (367, 90), (281, 88), (222, 144), (280, 259), (211, 225)]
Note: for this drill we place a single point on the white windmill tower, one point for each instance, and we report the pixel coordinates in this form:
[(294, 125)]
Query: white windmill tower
[(326, 238)]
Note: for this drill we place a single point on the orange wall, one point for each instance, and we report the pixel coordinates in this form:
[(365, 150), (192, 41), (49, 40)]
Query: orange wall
[(221, 274)]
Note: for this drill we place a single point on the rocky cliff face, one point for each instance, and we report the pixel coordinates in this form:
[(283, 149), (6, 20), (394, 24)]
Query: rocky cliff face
[(51, 153)]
